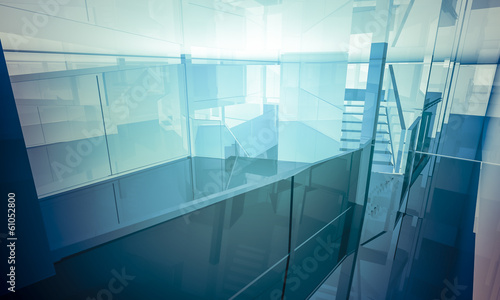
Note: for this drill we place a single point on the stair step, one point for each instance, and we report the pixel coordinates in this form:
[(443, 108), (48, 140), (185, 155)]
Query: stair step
[(376, 151), (359, 105), (383, 163), (382, 169), (382, 152), (359, 131), (361, 122), (353, 113), (349, 140), (359, 113), (351, 126), (357, 100)]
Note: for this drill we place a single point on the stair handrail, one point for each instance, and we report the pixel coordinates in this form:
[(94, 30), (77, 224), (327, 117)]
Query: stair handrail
[(390, 137), (396, 96), (235, 138), (222, 125)]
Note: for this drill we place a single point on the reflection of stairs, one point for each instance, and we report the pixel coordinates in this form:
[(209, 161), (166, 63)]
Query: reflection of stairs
[(351, 133), (325, 292), (246, 265)]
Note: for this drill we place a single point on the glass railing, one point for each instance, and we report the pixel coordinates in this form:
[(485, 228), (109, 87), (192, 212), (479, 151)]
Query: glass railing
[(88, 125)]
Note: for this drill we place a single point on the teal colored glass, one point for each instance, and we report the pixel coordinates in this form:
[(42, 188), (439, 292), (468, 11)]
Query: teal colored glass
[(145, 116), (63, 130)]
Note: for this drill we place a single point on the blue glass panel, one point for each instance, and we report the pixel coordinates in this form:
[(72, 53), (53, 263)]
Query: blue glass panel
[(63, 128), (80, 215), (314, 260), (320, 195), (153, 192), (145, 116)]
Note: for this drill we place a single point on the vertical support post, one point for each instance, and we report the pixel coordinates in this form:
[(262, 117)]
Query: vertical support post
[(373, 97), (373, 92), (185, 67)]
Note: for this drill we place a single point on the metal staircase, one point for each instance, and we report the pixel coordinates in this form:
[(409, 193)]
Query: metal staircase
[(352, 120)]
